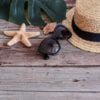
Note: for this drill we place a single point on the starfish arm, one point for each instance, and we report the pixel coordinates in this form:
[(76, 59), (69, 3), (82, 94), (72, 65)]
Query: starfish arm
[(10, 33), (23, 27), (13, 41), (25, 41), (32, 34)]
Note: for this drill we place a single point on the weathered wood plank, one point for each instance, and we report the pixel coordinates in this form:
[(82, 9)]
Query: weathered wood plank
[(48, 96), (21, 79), (21, 56), (18, 55)]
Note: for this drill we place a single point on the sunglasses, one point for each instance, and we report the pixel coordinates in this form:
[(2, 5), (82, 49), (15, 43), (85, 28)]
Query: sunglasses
[(50, 45)]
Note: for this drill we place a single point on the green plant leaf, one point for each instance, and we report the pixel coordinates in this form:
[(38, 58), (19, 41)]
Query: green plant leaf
[(17, 11), (4, 9), (32, 11), (4, 2), (55, 9)]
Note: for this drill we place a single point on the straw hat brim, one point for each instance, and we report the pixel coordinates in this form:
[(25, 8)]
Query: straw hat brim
[(76, 40)]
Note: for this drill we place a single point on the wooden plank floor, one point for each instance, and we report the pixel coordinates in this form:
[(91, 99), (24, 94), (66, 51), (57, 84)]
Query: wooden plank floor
[(47, 83), (73, 74), (18, 55)]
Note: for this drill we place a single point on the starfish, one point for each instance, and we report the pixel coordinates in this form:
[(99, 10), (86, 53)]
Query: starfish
[(21, 36)]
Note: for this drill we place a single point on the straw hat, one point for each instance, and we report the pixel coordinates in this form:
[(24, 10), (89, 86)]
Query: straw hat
[(84, 23)]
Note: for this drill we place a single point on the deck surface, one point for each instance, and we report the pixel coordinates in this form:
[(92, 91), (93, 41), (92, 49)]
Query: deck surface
[(73, 74)]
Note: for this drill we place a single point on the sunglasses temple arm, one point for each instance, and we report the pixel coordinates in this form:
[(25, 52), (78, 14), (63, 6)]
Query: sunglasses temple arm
[(45, 56)]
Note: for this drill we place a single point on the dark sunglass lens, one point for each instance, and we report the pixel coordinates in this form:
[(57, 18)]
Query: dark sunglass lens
[(49, 46), (61, 32), (66, 34), (52, 46)]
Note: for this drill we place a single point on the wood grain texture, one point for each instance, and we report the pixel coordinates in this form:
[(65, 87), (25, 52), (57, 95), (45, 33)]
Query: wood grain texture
[(73, 74), (18, 55), (48, 96), (23, 83), (42, 79)]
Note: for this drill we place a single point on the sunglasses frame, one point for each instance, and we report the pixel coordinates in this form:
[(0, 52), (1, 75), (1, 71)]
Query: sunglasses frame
[(55, 37)]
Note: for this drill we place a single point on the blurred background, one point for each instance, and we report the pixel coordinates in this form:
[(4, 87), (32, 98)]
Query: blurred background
[(70, 3)]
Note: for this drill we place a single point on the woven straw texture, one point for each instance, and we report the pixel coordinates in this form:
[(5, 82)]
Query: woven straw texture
[(87, 17)]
